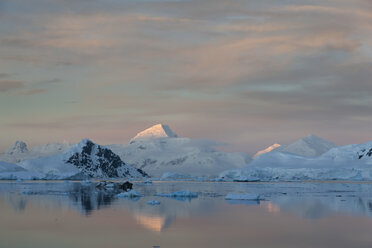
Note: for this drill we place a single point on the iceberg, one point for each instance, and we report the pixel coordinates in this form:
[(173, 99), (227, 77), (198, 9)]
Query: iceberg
[(179, 194), (130, 194), (246, 197)]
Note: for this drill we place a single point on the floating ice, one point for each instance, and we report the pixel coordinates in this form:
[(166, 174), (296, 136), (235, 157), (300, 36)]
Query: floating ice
[(246, 197), (181, 193), (129, 194)]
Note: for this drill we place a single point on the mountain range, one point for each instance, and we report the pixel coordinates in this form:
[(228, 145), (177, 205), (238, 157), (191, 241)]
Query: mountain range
[(158, 151), (351, 162)]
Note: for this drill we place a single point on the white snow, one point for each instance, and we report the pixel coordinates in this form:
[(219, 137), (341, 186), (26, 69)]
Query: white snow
[(51, 148), (184, 156), (181, 193), (266, 150), (14, 172), (352, 162), (310, 146), (130, 194), (156, 131), (236, 176), (246, 196), (19, 152), (17, 148), (61, 166), (170, 176), (54, 167)]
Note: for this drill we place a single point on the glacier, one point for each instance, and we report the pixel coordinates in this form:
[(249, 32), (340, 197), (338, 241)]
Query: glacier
[(351, 162)]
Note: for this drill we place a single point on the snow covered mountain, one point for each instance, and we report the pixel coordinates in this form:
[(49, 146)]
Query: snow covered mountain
[(19, 152), (85, 159), (157, 154), (156, 131), (352, 162), (266, 150), (19, 147), (310, 146), (51, 148)]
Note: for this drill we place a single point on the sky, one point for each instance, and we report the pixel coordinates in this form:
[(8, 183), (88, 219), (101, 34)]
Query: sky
[(246, 73)]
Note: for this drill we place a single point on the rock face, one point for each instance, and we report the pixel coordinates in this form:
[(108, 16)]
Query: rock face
[(85, 159), (364, 153), (97, 161), (17, 148)]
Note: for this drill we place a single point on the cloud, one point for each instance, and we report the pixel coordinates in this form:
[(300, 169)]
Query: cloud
[(267, 66), (5, 75), (7, 85), (31, 92)]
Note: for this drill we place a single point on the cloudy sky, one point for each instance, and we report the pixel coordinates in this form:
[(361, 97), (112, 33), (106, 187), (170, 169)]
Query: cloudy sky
[(248, 73)]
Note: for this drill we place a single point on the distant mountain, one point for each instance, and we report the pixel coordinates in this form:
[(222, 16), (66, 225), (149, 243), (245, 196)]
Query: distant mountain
[(352, 162), (266, 150), (19, 152), (85, 159), (19, 147), (156, 131), (310, 146), (157, 154), (51, 148)]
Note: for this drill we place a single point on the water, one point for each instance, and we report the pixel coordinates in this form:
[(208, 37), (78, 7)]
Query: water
[(65, 214)]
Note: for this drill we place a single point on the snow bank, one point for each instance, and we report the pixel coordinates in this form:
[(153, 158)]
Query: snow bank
[(236, 176), (53, 167), (169, 176), (14, 172)]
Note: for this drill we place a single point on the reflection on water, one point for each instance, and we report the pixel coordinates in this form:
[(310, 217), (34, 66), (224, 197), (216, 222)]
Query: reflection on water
[(154, 223), (64, 210)]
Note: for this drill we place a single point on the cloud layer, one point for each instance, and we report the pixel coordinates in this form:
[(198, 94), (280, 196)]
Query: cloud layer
[(244, 72)]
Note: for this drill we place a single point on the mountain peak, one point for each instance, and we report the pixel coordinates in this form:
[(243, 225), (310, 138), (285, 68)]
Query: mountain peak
[(309, 146), (99, 161), (17, 147), (266, 150), (156, 131)]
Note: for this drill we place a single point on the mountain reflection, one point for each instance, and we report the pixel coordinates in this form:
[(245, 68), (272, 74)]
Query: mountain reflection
[(310, 203), (154, 223)]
